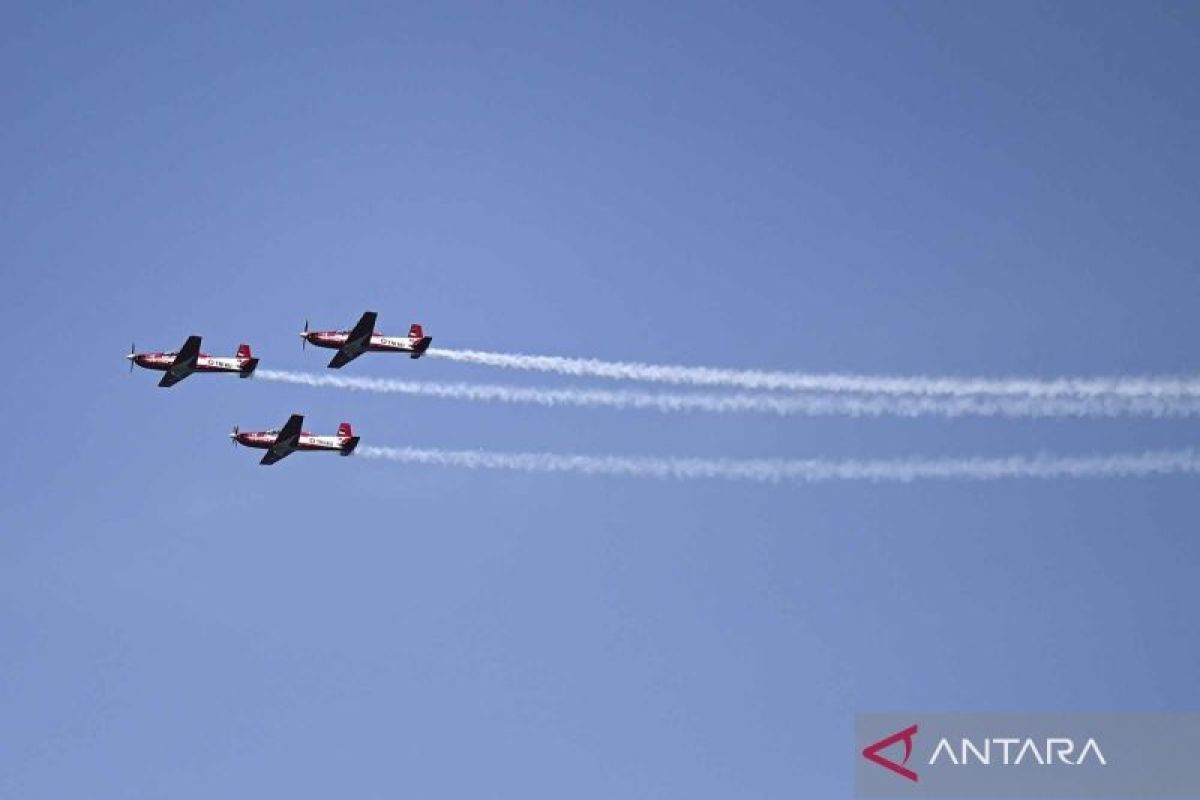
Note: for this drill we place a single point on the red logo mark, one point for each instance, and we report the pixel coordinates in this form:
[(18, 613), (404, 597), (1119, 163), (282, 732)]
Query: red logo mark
[(871, 752)]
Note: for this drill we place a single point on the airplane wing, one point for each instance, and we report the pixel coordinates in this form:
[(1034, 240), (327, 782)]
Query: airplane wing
[(184, 363), (342, 358), (356, 342), (271, 457), (285, 442)]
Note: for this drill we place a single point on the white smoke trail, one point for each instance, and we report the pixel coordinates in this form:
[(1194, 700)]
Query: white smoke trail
[(1162, 386), (783, 405), (1127, 465)]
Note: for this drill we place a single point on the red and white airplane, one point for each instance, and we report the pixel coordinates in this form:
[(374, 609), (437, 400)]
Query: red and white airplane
[(282, 442), (364, 338), (189, 359)]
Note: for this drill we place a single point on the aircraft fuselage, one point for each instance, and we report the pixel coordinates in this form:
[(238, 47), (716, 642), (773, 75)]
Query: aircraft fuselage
[(378, 343), (204, 363), (264, 440)]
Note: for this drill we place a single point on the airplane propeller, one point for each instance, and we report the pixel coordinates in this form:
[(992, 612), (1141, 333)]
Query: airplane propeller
[(233, 436), (132, 355), (304, 340)]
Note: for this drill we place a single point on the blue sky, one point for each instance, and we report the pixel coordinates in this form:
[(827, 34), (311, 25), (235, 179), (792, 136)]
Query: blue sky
[(927, 188)]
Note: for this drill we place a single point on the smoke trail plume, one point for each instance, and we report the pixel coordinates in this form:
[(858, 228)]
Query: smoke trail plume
[(783, 405), (1164, 386), (1126, 465)]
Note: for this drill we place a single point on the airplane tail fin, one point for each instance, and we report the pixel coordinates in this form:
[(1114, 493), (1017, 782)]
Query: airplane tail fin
[(420, 342), (349, 440), (420, 347), (246, 360)]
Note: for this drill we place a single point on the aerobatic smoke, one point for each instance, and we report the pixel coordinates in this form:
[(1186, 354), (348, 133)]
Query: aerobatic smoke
[(785, 405), (1042, 466), (1163, 386)]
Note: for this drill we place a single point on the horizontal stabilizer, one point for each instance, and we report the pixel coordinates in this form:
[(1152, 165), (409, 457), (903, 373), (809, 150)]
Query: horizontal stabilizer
[(420, 347)]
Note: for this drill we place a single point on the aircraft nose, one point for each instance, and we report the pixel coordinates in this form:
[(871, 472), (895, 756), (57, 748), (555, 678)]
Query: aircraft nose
[(130, 356)]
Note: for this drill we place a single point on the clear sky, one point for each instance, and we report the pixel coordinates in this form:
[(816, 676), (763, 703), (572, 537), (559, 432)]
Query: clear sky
[(952, 188)]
